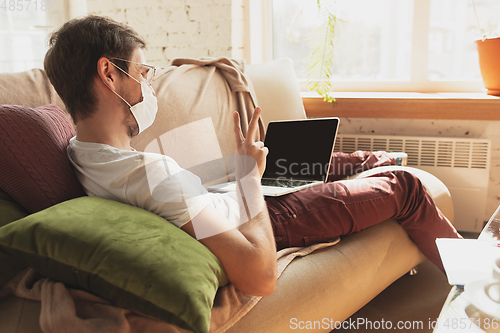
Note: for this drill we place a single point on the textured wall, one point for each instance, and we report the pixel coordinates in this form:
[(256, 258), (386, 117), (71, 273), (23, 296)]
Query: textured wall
[(174, 28)]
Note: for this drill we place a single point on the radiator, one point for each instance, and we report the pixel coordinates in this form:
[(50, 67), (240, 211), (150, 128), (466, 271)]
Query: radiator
[(462, 164)]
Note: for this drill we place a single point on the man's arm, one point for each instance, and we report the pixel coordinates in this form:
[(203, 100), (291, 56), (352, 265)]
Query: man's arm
[(248, 253)]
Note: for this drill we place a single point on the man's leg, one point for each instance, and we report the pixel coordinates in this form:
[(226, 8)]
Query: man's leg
[(344, 164), (341, 208)]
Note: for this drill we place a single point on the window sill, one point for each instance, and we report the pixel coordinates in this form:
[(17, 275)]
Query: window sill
[(456, 106)]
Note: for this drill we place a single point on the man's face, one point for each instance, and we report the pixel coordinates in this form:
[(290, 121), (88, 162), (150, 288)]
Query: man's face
[(131, 90)]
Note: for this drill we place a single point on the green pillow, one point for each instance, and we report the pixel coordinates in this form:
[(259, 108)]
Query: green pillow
[(124, 254), (9, 212)]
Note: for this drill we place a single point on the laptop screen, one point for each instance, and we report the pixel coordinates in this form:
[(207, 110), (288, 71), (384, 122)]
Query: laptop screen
[(300, 149)]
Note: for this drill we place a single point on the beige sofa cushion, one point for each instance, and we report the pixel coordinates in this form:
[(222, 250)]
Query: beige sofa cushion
[(194, 121), (30, 88), (277, 90)]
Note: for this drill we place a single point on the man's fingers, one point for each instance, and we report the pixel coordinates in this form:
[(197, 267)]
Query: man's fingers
[(259, 144), (252, 126), (237, 128)]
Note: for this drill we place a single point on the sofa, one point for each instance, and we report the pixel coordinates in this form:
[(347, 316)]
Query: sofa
[(332, 282)]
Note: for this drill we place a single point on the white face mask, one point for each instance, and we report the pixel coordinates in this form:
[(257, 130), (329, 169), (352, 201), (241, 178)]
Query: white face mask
[(145, 111)]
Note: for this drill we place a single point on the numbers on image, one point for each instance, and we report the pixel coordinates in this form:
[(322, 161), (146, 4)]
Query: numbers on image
[(468, 323), (28, 5)]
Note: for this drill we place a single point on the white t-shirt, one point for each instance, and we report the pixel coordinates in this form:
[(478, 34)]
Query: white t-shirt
[(128, 176)]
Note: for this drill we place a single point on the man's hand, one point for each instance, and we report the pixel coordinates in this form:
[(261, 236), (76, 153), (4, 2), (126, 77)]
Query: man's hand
[(248, 146)]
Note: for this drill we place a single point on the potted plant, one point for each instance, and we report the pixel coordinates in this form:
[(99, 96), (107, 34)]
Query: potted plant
[(488, 48)]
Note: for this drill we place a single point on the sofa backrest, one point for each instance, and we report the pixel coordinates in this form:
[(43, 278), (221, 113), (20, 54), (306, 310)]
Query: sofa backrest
[(274, 82), (30, 88), (194, 123), (200, 130), (277, 89)]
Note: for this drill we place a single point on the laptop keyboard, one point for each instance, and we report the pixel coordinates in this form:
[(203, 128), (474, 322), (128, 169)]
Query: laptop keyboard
[(284, 182)]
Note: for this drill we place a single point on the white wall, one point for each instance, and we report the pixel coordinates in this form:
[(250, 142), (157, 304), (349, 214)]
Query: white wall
[(174, 28), (199, 28)]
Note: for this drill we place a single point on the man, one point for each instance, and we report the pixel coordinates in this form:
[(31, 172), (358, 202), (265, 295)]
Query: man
[(98, 68)]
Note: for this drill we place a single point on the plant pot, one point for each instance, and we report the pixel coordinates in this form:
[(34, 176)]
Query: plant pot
[(489, 63)]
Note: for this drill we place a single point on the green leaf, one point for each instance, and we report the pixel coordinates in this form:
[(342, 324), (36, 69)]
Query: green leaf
[(320, 61)]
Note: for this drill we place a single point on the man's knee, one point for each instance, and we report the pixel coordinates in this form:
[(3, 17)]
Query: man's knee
[(412, 182), (403, 184)]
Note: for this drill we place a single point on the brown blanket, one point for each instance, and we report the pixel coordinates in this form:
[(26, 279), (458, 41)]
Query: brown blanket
[(76, 311), (233, 72)]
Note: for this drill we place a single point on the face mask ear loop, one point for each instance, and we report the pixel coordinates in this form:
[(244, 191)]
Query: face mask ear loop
[(116, 93), (130, 76)]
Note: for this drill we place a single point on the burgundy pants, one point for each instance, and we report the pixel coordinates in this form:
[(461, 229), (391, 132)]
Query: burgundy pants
[(334, 209)]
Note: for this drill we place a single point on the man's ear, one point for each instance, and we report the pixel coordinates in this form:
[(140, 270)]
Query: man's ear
[(107, 72)]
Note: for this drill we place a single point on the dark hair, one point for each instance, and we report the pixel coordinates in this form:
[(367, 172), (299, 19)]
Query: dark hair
[(74, 49)]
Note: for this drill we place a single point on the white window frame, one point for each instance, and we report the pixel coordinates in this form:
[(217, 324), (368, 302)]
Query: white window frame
[(258, 47), (258, 31)]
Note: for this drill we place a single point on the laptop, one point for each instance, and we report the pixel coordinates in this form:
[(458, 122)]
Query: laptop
[(299, 155)]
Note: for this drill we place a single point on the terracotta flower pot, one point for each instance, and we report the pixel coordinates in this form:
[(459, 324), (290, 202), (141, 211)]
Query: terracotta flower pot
[(489, 63)]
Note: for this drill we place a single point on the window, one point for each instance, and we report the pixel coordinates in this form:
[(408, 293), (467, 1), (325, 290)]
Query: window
[(24, 29), (22, 38), (391, 45)]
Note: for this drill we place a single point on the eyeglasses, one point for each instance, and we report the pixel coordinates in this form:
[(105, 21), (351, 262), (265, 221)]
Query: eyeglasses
[(150, 74)]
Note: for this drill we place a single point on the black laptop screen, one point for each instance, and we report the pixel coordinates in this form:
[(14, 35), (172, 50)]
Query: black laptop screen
[(300, 149)]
